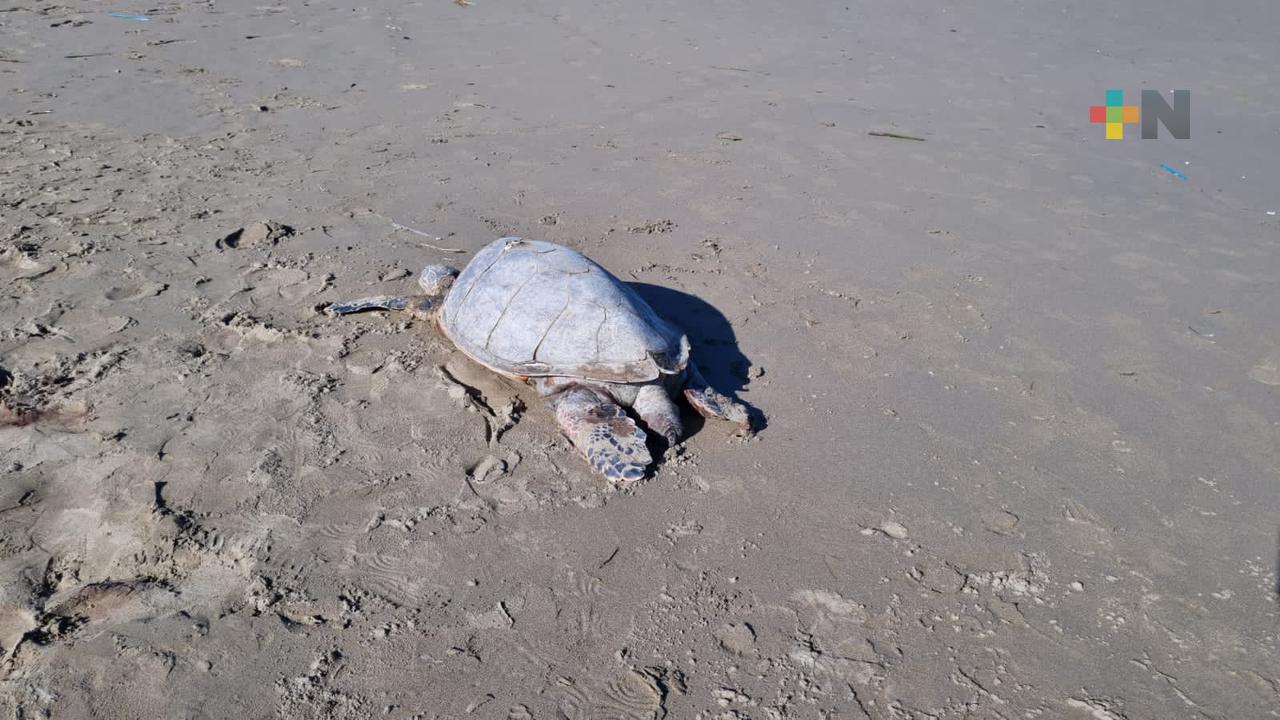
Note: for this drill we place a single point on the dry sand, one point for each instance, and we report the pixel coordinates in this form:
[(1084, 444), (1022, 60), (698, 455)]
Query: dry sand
[(1020, 383)]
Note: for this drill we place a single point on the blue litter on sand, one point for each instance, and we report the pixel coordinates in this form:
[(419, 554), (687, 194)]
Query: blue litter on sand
[(130, 16), (1174, 170)]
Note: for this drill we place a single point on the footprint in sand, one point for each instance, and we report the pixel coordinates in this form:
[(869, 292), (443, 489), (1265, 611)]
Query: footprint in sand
[(91, 607), (135, 292), (1266, 372), (737, 638), (633, 695)]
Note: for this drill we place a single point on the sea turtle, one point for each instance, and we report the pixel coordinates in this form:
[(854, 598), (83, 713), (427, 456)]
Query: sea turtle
[(545, 314)]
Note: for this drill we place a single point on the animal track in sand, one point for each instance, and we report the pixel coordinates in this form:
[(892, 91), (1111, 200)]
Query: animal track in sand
[(309, 695)]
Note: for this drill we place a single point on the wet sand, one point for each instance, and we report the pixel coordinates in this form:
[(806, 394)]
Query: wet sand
[(1020, 431)]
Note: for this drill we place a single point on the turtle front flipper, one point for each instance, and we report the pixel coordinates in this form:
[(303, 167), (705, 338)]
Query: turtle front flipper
[(600, 428), (416, 305), (710, 403), (377, 302)]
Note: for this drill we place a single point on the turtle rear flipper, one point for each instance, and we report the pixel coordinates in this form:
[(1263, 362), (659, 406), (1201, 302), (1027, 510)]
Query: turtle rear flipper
[(711, 403), (654, 406), (600, 428)]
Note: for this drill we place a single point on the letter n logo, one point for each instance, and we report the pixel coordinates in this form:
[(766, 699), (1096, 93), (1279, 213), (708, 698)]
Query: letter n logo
[(1176, 119)]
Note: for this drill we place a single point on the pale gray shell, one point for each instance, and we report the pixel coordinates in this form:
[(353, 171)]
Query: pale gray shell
[(533, 309)]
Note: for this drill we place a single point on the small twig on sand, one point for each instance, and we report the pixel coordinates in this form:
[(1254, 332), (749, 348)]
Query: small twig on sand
[(609, 559), (896, 136), (406, 228)]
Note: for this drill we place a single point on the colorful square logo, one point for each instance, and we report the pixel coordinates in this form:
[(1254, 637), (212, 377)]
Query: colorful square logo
[(1114, 115)]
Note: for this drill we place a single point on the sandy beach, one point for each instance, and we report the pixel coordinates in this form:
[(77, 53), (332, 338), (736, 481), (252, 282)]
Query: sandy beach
[(1017, 386)]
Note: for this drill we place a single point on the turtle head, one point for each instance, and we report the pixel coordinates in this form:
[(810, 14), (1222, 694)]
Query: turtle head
[(436, 280)]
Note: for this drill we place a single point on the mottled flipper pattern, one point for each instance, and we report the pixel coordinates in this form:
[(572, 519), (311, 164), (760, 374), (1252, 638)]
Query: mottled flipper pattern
[(713, 404), (377, 302), (610, 440)]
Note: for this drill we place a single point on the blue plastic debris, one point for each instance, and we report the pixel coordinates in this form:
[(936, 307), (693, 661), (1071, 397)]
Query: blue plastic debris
[(130, 16), (1174, 170)]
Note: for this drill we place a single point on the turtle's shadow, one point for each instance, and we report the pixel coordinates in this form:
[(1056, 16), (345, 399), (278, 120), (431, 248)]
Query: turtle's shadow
[(715, 346)]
